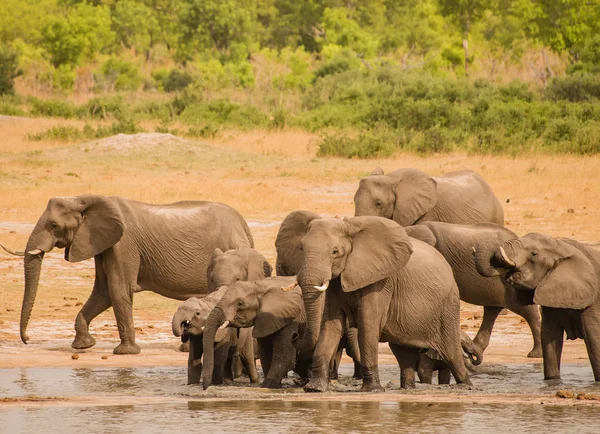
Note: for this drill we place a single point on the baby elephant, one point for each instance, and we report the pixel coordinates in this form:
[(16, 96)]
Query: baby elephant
[(563, 277), (275, 315), (430, 361), (189, 322), (244, 264)]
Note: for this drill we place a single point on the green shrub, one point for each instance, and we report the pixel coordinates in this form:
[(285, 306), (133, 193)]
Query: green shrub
[(377, 143), (60, 133), (118, 74), (207, 131), (176, 80), (575, 88), (10, 105), (103, 108), (9, 70), (58, 108), (223, 112)]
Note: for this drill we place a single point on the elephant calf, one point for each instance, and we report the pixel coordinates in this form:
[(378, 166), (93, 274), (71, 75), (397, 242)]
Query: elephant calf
[(274, 315), (563, 277), (189, 322), (455, 242)]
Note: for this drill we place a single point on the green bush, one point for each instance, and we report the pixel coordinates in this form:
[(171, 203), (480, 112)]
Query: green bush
[(103, 108), (9, 70), (176, 80), (575, 88), (61, 133), (58, 108), (376, 143), (118, 74), (223, 112), (10, 105)]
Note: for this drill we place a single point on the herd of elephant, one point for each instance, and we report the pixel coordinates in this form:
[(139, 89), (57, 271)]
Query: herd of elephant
[(395, 272)]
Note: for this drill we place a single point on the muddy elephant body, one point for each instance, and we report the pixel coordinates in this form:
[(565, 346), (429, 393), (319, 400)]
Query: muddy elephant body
[(455, 242), (410, 196), (230, 345), (560, 275), (135, 246), (366, 272)]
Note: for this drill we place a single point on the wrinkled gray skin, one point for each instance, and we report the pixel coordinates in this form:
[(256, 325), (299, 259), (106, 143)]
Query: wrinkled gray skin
[(563, 277), (189, 322), (274, 316), (366, 272), (455, 243), (244, 264), (430, 361), (409, 196), (136, 247), (289, 260)]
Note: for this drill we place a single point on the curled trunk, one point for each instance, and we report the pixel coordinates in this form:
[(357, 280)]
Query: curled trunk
[(180, 316), (214, 320)]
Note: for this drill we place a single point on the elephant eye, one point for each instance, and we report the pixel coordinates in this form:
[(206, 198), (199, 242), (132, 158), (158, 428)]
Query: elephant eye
[(335, 251), (379, 204), (240, 303), (534, 253), (53, 225)]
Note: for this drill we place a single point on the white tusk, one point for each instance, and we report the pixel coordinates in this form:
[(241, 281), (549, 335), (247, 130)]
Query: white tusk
[(12, 252), (35, 252), (225, 324), (505, 258), (324, 287), (289, 287)]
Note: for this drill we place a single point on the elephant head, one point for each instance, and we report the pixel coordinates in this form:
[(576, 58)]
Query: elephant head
[(289, 250), (244, 264), (261, 304), (350, 254), (84, 226), (404, 195), (190, 318), (552, 272)]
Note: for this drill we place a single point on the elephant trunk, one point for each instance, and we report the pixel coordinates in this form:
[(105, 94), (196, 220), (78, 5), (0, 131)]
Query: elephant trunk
[(472, 351), (493, 260), (38, 244), (353, 349), (180, 317), (213, 322), (314, 304)]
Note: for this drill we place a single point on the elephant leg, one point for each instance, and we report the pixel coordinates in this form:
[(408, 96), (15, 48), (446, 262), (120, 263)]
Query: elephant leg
[(531, 314), (444, 374), (247, 359), (334, 364), (122, 283), (591, 331), (451, 350), (353, 351), (552, 343), (482, 339), (283, 357), (329, 339), (425, 368), (221, 362), (97, 302), (265, 353), (369, 318), (408, 358), (195, 360)]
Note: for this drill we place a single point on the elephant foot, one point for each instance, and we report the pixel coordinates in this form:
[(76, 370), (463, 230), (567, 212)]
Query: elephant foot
[(271, 383), (185, 347), (83, 342), (127, 348), (535, 353), (372, 387), (463, 386), (300, 382), (316, 386)]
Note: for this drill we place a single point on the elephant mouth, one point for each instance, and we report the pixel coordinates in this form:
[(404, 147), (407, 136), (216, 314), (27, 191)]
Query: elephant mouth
[(185, 331)]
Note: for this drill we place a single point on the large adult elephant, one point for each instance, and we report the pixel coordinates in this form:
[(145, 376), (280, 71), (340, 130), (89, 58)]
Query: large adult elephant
[(563, 277), (455, 243), (136, 246), (392, 288), (410, 196), (274, 315)]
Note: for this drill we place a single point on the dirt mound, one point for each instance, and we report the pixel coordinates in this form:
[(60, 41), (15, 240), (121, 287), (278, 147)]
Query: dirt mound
[(140, 142)]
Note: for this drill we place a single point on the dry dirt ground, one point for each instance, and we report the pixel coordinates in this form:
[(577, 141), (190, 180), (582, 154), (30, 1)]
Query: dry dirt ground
[(264, 175)]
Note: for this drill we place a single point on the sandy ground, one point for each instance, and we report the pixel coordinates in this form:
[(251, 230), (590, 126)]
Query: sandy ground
[(265, 176)]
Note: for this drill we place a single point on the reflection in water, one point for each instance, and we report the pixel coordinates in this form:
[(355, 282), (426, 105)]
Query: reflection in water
[(250, 416)]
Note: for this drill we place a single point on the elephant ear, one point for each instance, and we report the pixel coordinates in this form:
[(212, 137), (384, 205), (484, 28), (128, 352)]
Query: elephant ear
[(102, 227), (258, 266), (571, 284), (416, 194), (421, 232), (292, 230), (277, 309), (380, 247), (211, 265)]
